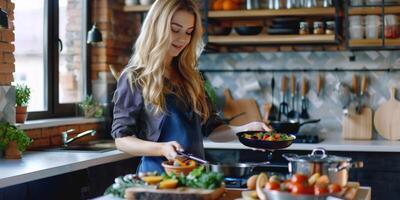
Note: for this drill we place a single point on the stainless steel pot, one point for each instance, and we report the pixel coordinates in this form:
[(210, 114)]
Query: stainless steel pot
[(335, 167), (234, 170)]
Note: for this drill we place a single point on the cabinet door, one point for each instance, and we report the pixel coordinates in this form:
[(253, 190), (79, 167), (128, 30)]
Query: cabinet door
[(102, 176), (66, 186), (14, 192)]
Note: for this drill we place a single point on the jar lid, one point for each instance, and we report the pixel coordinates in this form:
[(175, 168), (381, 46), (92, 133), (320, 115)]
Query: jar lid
[(316, 157)]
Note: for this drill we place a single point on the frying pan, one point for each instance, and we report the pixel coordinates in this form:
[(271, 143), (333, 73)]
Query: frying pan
[(289, 127), (234, 170), (261, 144)]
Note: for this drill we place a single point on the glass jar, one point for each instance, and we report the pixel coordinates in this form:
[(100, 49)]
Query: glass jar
[(330, 27), (318, 27), (304, 28)]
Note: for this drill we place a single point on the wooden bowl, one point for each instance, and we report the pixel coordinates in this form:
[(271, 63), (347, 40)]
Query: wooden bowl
[(170, 168)]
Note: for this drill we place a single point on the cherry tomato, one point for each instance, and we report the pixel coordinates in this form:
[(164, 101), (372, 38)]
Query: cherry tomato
[(287, 186), (299, 178), (272, 185), (320, 190), (334, 188)]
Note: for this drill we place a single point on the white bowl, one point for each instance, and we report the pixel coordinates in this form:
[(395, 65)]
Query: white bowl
[(356, 32)]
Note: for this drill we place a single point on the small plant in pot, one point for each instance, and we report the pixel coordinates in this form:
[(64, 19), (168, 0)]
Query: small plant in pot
[(22, 96), (91, 108), (13, 141)]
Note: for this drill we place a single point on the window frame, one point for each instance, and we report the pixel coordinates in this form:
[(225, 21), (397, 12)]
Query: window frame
[(51, 56)]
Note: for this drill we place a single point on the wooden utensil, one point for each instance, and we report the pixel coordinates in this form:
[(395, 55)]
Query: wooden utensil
[(387, 117), (283, 106), (304, 89), (135, 193), (235, 107), (358, 126), (319, 84)]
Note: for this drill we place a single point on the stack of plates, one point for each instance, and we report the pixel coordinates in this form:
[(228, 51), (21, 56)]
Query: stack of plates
[(284, 26)]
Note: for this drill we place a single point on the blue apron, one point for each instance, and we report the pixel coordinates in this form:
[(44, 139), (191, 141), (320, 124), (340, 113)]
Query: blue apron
[(180, 124)]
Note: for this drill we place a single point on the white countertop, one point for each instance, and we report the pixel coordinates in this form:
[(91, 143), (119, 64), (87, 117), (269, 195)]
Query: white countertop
[(36, 165), (331, 144)]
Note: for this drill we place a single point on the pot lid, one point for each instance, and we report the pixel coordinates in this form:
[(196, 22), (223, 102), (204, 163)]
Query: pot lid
[(316, 157)]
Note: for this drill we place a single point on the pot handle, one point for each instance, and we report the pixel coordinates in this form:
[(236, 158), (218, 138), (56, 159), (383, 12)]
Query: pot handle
[(319, 149), (290, 156), (355, 164), (309, 122)]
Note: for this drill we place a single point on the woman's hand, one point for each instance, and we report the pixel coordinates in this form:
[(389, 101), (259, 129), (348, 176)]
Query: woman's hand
[(255, 126), (169, 149)]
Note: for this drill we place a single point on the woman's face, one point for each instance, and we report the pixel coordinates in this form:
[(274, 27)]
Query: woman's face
[(182, 26)]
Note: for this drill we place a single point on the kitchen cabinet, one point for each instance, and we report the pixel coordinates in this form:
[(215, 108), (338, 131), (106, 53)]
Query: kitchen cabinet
[(380, 42)]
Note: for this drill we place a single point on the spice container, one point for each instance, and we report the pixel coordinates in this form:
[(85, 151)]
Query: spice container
[(392, 27), (318, 27), (304, 28), (330, 27)]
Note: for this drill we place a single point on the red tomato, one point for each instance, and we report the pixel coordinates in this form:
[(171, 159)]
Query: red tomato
[(334, 188), (273, 185), (265, 137), (320, 190), (299, 178), (277, 136), (287, 186)]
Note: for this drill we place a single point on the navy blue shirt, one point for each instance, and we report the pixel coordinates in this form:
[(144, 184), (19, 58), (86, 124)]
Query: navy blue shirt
[(133, 117), (181, 125)]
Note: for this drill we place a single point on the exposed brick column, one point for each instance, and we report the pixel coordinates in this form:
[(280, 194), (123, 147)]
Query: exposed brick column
[(119, 29), (7, 65), (7, 47)]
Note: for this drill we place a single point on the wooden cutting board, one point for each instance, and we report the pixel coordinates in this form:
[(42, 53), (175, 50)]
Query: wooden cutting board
[(387, 117), (135, 193), (234, 107), (358, 126)]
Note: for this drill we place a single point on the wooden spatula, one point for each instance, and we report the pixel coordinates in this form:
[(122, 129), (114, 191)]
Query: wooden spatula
[(387, 117)]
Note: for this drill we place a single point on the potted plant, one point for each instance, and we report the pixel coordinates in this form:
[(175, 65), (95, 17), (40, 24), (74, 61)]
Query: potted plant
[(22, 96), (13, 140), (90, 107)]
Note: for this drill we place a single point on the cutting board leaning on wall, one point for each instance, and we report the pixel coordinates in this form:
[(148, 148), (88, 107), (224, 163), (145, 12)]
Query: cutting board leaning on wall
[(233, 108)]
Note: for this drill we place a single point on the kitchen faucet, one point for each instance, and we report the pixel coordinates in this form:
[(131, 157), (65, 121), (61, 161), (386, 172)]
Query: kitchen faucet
[(66, 141)]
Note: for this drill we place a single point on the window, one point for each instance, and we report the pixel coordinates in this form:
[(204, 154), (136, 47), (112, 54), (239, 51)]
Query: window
[(50, 54)]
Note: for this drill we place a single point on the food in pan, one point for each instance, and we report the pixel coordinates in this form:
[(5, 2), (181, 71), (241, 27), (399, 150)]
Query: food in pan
[(268, 136)]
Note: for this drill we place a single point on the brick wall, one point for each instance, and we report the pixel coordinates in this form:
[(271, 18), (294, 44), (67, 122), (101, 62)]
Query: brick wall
[(7, 48), (119, 29)]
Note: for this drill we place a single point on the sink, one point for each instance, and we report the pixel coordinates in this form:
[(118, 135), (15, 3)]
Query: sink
[(92, 146)]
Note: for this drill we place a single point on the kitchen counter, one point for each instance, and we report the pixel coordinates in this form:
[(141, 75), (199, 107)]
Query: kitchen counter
[(36, 165), (330, 144)]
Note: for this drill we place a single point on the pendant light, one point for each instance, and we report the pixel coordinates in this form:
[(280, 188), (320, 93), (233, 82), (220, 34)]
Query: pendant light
[(94, 35), (3, 19)]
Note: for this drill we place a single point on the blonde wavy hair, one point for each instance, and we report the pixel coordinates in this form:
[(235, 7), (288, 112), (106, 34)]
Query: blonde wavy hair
[(146, 66)]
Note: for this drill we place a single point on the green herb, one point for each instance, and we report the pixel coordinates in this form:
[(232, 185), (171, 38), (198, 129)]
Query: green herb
[(22, 95), (123, 182), (90, 107), (9, 132)]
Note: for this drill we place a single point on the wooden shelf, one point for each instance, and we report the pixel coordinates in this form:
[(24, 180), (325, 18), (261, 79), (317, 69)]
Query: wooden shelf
[(374, 10), (365, 42), (392, 42), (272, 39), (272, 13), (365, 11), (391, 9), (137, 8)]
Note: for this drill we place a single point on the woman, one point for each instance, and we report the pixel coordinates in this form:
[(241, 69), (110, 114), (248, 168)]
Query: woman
[(160, 102)]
